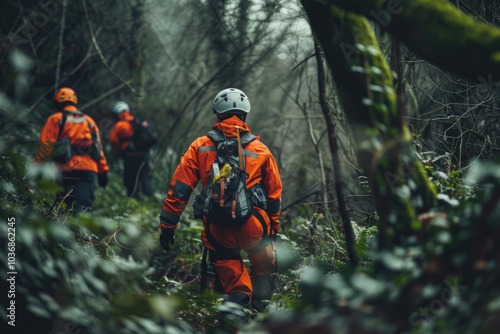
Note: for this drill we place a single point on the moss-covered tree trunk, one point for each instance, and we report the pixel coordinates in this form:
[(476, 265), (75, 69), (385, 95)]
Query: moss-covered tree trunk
[(400, 186), (439, 32)]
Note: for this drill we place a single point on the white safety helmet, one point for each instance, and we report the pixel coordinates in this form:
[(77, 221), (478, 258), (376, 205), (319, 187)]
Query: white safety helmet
[(119, 107), (231, 99)]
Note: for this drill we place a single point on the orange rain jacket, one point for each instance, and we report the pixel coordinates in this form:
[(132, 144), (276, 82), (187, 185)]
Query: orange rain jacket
[(78, 127), (195, 165), (121, 134)]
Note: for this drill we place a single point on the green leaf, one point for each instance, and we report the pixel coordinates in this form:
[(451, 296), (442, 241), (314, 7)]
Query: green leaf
[(448, 199), (482, 170), (377, 88), (367, 285), (375, 70), (48, 186), (165, 306), (366, 101), (360, 47), (357, 69), (372, 50), (41, 312), (17, 163)]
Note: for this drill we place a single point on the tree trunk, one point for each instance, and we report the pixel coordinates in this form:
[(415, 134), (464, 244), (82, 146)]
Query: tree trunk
[(426, 26), (332, 140), (138, 46), (385, 152)]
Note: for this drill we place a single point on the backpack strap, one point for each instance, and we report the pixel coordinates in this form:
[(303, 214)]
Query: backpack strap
[(65, 114), (240, 150), (265, 234), (243, 138), (63, 122), (217, 136)]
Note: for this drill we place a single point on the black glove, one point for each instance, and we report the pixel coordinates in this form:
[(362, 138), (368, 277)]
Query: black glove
[(167, 238), (102, 179)]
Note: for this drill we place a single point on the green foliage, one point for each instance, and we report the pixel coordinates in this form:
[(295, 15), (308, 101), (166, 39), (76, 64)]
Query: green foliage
[(105, 269), (89, 272), (321, 240), (444, 281)]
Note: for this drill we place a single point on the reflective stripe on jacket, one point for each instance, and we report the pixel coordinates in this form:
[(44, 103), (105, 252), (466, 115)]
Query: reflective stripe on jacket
[(195, 166), (78, 127)]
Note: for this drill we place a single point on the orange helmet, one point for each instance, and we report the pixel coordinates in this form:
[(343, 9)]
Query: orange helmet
[(65, 94)]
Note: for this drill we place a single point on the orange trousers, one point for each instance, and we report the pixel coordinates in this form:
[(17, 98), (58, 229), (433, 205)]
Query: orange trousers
[(230, 269)]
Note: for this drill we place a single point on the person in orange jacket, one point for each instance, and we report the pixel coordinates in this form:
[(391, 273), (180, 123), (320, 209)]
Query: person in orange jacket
[(85, 157), (224, 243), (136, 170)]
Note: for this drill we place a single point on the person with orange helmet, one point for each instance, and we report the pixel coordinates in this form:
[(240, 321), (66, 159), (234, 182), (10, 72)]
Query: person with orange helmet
[(72, 140), (224, 243), (136, 169)]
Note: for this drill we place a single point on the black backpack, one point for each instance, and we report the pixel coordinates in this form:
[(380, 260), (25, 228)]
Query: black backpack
[(144, 134), (225, 200)]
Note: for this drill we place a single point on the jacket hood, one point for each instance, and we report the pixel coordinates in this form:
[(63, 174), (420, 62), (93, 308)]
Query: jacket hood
[(125, 116), (230, 125)]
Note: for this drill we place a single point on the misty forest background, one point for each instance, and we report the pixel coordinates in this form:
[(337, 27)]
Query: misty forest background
[(383, 116)]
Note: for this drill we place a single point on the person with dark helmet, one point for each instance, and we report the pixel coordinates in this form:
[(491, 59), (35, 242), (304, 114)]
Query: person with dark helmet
[(240, 287), (82, 160), (136, 169)]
